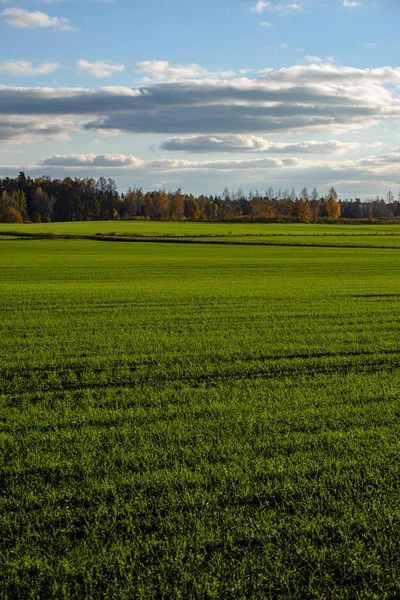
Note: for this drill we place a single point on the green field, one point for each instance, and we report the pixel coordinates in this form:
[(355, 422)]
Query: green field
[(383, 235), (190, 229), (199, 421)]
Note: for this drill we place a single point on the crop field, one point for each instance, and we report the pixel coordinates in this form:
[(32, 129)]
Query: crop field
[(381, 235), (204, 229), (199, 421)]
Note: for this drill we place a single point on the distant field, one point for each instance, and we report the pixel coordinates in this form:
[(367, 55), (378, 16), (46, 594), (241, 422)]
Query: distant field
[(199, 421), (168, 228), (264, 233)]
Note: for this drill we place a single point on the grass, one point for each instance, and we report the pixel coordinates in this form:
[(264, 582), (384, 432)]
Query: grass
[(364, 236), (199, 421), (191, 229)]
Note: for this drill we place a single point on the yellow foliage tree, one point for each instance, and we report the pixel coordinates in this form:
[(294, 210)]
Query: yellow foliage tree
[(332, 205)]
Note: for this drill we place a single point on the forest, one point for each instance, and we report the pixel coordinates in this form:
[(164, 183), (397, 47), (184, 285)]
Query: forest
[(44, 199)]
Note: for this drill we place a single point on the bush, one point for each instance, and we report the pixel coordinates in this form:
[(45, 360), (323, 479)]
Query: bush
[(10, 215)]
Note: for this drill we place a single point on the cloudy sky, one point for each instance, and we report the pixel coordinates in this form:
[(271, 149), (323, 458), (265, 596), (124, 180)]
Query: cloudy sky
[(203, 95)]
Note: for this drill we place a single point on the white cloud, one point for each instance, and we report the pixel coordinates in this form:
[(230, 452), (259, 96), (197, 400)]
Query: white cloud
[(316, 59), (265, 24), (322, 98), (25, 68), (313, 59), (20, 17), (283, 10), (376, 165), (161, 70), (381, 164), (20, 129), (260, 6), (121, 161), (93, 160), (253, 144), (328, 74), (350, 4), (99, 69)]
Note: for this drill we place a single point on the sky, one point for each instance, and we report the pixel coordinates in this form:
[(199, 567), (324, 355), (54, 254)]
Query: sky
[(203, 95)]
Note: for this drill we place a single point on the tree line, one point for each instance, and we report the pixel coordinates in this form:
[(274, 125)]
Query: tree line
[(44, 199)]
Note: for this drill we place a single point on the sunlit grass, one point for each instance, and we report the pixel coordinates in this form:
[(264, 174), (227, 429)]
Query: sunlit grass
[(199, 421)]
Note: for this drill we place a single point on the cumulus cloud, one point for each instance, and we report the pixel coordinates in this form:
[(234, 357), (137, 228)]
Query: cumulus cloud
[(99, 69), (93, 160), (161, 70), (383, 165), (254, 144), (121, 161), (333, 74), (20, 17), (24, 68), (304, 98), (18, 129)]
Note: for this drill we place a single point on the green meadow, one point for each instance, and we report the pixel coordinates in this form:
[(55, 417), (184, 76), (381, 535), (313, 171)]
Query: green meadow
[(200, 421)]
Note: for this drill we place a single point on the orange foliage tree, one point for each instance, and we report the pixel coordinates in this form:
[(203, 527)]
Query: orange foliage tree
[(10, 215)]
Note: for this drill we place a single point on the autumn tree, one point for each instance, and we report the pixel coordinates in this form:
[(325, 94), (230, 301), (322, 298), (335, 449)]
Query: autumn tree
[(332, 205), (177, 205), (262, 209), (192, 208), (302, 210), (10, 215), (16, 199)]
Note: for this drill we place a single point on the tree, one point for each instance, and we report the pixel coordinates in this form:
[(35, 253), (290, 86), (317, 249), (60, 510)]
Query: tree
[(332, 205), (304, 195), (269, 193), (43, 203), (10, 215), (227, 195), (315, 205), (16, 199), (357, 209), (302, 211), (177, 205)]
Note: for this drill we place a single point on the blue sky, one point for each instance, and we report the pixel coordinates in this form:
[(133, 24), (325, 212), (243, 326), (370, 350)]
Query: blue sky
[(203, 95)]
